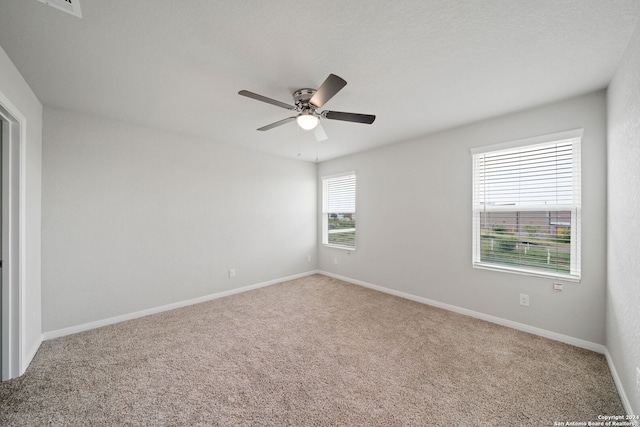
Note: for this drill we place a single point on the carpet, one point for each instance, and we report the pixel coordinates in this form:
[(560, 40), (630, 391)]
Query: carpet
[(312, 351)]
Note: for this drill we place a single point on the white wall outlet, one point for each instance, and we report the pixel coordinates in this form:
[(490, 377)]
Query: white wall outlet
[(524, 300), (232, 272), (308, 258), (335, 259), (557, 287), (637, 378)]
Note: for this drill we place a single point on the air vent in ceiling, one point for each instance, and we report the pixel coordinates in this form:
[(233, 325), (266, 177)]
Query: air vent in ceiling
[(69, 6)]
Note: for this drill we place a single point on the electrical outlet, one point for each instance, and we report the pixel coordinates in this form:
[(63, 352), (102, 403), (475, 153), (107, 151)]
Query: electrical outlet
[(232, 272), (308, 258), (335, 259), (557, 287), (524, 300)]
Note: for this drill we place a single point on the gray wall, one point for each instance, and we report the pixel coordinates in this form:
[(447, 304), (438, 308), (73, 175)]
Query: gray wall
[(135, 218), (14, 88), (623, 274), (414, 222)]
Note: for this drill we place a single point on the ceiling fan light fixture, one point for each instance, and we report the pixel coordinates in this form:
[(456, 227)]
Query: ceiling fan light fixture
[(307, 121)]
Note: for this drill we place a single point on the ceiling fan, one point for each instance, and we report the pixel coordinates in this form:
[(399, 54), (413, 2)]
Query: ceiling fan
[(306, 103)]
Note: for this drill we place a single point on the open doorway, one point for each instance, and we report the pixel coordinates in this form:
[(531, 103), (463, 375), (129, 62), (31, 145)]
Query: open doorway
[(1, 240), (11, 280)]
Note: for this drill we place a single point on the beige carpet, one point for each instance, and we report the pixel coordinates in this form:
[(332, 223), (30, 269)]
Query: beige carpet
[(313, 351)]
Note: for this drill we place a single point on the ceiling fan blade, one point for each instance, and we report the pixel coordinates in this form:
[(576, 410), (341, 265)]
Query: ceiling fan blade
[(319, 133), (349, 117), (332, 85), (278, 123), (265, 99)]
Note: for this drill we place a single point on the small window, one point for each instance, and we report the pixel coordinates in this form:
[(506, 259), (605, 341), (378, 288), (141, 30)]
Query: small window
[(339, 210), (526, 206)]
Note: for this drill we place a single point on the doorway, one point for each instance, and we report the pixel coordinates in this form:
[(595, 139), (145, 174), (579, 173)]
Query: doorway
[(12, 219), (2, 246)]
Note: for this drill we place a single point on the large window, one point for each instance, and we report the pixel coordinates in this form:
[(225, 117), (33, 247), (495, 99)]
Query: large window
[(339, 210), (526, 206)]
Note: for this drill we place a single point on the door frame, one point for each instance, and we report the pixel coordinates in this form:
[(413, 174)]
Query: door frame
[(13, 235)]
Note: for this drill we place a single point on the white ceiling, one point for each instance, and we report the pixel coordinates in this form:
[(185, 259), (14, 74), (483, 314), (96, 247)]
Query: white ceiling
[(419, 65)]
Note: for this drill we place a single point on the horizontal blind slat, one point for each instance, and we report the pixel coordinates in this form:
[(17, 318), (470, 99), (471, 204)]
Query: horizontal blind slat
[(341, 194)]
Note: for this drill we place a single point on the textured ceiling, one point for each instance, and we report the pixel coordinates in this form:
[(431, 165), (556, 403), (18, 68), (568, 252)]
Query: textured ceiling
[(419, 65)]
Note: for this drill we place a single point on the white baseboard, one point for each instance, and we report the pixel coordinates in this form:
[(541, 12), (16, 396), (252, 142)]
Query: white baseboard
[(28, 357), (623, 395), (130, 316), (599, 348)]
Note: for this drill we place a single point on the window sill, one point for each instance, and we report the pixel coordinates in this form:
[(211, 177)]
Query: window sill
[(345, 248), (555, 276)]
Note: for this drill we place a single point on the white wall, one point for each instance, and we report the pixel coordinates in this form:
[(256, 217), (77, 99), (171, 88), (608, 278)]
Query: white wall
[(623, 274), (414, 222), (135, 218), (14, 88)]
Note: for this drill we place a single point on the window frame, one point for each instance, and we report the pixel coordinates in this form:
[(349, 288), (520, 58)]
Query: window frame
[(326, 211), (574, 275)]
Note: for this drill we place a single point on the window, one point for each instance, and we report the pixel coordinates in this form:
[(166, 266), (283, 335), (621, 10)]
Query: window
[(339, 210), (526, 206)]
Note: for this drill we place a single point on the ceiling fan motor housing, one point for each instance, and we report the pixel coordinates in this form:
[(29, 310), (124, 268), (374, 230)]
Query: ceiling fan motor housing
[(302, 96)]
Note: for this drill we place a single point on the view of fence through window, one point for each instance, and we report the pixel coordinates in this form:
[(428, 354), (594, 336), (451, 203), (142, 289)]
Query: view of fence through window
[(539, 240), (342, 229)]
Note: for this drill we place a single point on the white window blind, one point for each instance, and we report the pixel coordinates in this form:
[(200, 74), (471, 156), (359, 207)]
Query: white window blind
[(526, 207), (339, 211)]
